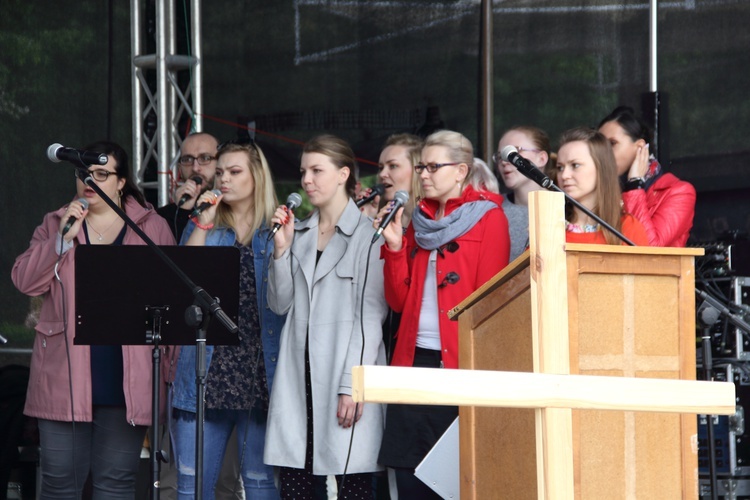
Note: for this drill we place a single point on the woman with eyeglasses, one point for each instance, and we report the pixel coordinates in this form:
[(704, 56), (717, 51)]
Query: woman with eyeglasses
[(457, 240), (664, 204), (586, 170), (105, 390), (239, 378), (533, 144), (327, 276)]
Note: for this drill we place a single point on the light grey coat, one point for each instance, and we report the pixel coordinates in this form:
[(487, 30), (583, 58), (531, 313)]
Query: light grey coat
[(324, 301)]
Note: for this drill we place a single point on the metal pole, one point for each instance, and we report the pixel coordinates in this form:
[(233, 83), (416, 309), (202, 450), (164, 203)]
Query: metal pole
[(197, 76), (652, 51), (162, 103), (135, 85), (486, 90)]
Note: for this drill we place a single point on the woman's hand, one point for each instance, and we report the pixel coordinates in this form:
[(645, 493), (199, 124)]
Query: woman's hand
[(283, 238), (369, 209), (78, 212), (639, 168), (208, 215), (346, 411), (394, 232)]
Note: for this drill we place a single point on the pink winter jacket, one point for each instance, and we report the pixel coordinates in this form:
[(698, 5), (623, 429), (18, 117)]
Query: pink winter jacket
[(48, 394)]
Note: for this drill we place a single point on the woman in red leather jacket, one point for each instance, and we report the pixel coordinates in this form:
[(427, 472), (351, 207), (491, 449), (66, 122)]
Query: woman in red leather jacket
[(457, 240), (664, 204)]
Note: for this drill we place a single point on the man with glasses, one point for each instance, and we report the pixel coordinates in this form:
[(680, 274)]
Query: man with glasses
[(197, 168)]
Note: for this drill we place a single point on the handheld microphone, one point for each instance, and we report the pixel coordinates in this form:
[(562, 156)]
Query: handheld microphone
[(185, 197), (57, 153), (527, 168), (376, 190), (400, 199), (200, 208), (292, 201), (72, 220)]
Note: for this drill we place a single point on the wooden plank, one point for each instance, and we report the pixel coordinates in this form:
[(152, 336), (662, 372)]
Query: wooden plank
[(435, 386), (549, 307), (582, 247)]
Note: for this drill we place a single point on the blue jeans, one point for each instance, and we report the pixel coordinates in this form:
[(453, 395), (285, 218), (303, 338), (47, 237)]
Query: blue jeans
[(108, 447), (257, 478)]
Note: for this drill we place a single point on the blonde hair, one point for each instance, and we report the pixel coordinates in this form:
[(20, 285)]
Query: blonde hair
[(482, 178), (265, 201), (459, 149)]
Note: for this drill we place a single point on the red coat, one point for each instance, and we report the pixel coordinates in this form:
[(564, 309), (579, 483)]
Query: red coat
[(482, 252), (666, 210)]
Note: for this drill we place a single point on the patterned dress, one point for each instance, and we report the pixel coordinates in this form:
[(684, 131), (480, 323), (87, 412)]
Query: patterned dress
[(237, 374)]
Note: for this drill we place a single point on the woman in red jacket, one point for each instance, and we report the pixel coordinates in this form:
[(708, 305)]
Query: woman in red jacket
[(664, 204), (586, 171), (105, 390), (458, 239)]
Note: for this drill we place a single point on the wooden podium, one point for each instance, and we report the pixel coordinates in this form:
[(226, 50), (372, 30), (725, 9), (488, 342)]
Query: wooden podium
[(625, 312)]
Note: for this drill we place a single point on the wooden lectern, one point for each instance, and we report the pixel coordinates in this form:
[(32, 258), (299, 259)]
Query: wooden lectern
[(606, 406), (626, 312)]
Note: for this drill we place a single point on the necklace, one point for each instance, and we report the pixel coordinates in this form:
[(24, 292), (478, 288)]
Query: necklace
[(101, 234)]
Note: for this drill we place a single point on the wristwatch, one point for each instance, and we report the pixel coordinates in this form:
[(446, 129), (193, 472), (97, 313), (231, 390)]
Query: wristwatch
[(634, 183)]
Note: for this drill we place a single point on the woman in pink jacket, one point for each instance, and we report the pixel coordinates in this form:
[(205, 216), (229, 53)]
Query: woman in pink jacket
[(93, 404), (664, 204)]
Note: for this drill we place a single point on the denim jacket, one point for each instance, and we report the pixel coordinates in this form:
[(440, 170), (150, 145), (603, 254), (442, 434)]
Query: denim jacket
[(270, 323)]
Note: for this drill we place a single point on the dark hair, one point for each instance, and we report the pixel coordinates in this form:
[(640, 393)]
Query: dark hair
[(122, 168), (340, 153), (633, 126), (608, 194)]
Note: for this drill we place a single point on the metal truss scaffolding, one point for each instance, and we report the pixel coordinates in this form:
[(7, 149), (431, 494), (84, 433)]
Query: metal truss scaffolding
[(163, 97)]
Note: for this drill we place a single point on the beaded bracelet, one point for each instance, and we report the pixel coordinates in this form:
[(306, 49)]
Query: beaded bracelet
[(205, 227)]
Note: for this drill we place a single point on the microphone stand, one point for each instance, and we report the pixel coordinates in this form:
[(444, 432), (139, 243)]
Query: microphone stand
[(203, 309), (544, 181)]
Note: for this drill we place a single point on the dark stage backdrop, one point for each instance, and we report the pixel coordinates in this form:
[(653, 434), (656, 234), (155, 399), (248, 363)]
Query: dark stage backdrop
[(366, 69)]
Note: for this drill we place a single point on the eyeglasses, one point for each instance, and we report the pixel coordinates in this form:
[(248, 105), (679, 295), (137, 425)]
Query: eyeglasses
[(498, 158), (188, 160), (432, 167), (99, 175)]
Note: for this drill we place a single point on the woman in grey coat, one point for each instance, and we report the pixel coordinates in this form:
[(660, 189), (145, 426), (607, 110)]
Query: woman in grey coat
[(317, 278)]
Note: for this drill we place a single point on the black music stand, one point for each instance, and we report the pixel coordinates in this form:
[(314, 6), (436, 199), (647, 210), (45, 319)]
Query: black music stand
[(142, 302)]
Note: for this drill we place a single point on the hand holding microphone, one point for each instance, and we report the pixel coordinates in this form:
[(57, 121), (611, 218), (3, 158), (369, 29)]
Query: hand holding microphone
[(375, 191), (292, 201), (387, 214), (76, 211), (207, 200), (189, 190)]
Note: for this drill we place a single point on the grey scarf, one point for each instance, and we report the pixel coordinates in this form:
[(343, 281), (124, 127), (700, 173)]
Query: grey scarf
[(432, 234)]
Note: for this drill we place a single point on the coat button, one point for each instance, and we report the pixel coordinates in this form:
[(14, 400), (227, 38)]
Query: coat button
[(262, 252), (273, 358), (44, 342), (265, 280), (270, 332)]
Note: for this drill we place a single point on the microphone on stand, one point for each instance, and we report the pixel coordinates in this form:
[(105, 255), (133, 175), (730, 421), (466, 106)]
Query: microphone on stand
[(57, 153), (527, 168), (510, 154)]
